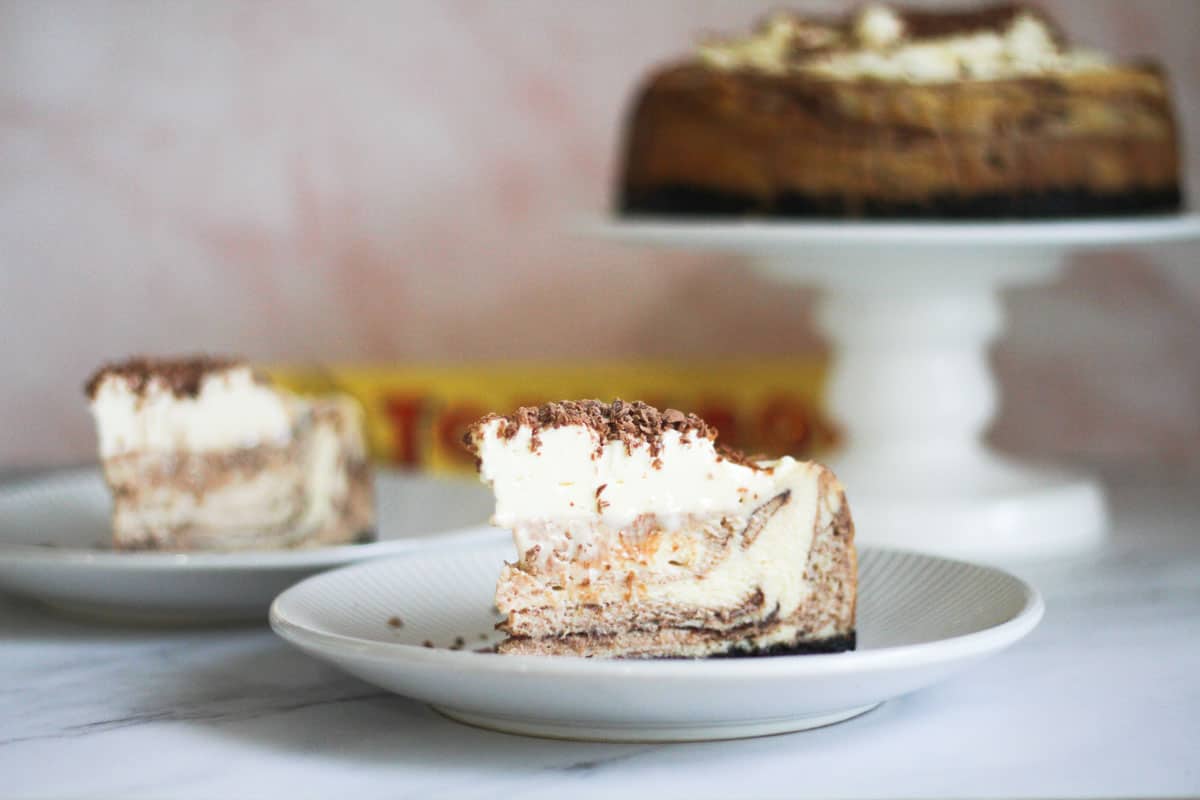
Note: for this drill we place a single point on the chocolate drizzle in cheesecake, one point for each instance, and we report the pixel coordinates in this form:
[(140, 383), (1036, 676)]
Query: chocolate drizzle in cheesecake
[(641, 627), (183, 376)]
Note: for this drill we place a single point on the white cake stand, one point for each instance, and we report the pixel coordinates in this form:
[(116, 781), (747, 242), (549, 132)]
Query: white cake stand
[(911, 309)]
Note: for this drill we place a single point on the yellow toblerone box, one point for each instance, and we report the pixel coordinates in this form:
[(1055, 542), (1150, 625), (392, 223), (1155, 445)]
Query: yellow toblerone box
[(416, 415)]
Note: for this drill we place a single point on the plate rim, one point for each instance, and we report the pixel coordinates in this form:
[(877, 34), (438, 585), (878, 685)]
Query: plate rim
[(715, 232), (244, 560), (316, 642)]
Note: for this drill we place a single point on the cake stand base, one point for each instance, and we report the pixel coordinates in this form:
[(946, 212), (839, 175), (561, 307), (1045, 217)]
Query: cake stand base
[(910, 311), (998, 511)]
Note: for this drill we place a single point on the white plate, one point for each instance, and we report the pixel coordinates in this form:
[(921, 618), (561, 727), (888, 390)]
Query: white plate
[(920, 618), (54, 534)]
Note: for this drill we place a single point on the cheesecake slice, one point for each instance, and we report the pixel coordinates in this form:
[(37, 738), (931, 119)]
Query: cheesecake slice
[(204, 454), (638, 537)]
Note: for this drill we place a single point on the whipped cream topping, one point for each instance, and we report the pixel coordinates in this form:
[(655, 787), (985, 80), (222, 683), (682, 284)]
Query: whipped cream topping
[(878, 27), (573, 474), (231, 409), (876, 45), (770, 49)]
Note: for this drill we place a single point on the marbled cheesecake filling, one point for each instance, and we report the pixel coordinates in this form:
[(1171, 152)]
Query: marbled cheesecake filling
[(204, 455), (656, 544)]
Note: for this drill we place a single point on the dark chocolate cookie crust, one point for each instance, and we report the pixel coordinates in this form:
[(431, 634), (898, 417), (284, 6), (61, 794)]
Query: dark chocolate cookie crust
[(834, 644), (696, 201), (838, 643)]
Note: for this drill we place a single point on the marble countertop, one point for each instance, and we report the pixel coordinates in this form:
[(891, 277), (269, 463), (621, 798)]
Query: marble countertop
[(1102, 699)]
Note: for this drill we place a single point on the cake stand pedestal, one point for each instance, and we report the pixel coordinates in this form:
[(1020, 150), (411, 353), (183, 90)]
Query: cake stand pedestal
[(911, 309)]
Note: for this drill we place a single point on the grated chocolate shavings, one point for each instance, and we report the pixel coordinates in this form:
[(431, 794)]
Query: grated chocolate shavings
[(183, 376), (738, 457), (631, 423), (601, 504)]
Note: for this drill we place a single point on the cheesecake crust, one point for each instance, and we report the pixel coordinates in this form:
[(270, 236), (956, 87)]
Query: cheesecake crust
[(670, 643), (695, 201)]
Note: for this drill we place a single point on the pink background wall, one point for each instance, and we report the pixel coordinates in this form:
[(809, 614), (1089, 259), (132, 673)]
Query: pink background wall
[(382, 181)]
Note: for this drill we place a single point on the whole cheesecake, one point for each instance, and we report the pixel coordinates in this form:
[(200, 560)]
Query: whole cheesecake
[(897, 113)]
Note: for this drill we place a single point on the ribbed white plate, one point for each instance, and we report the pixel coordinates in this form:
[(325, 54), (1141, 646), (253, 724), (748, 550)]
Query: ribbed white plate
[(919, 619), (55, 534)]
